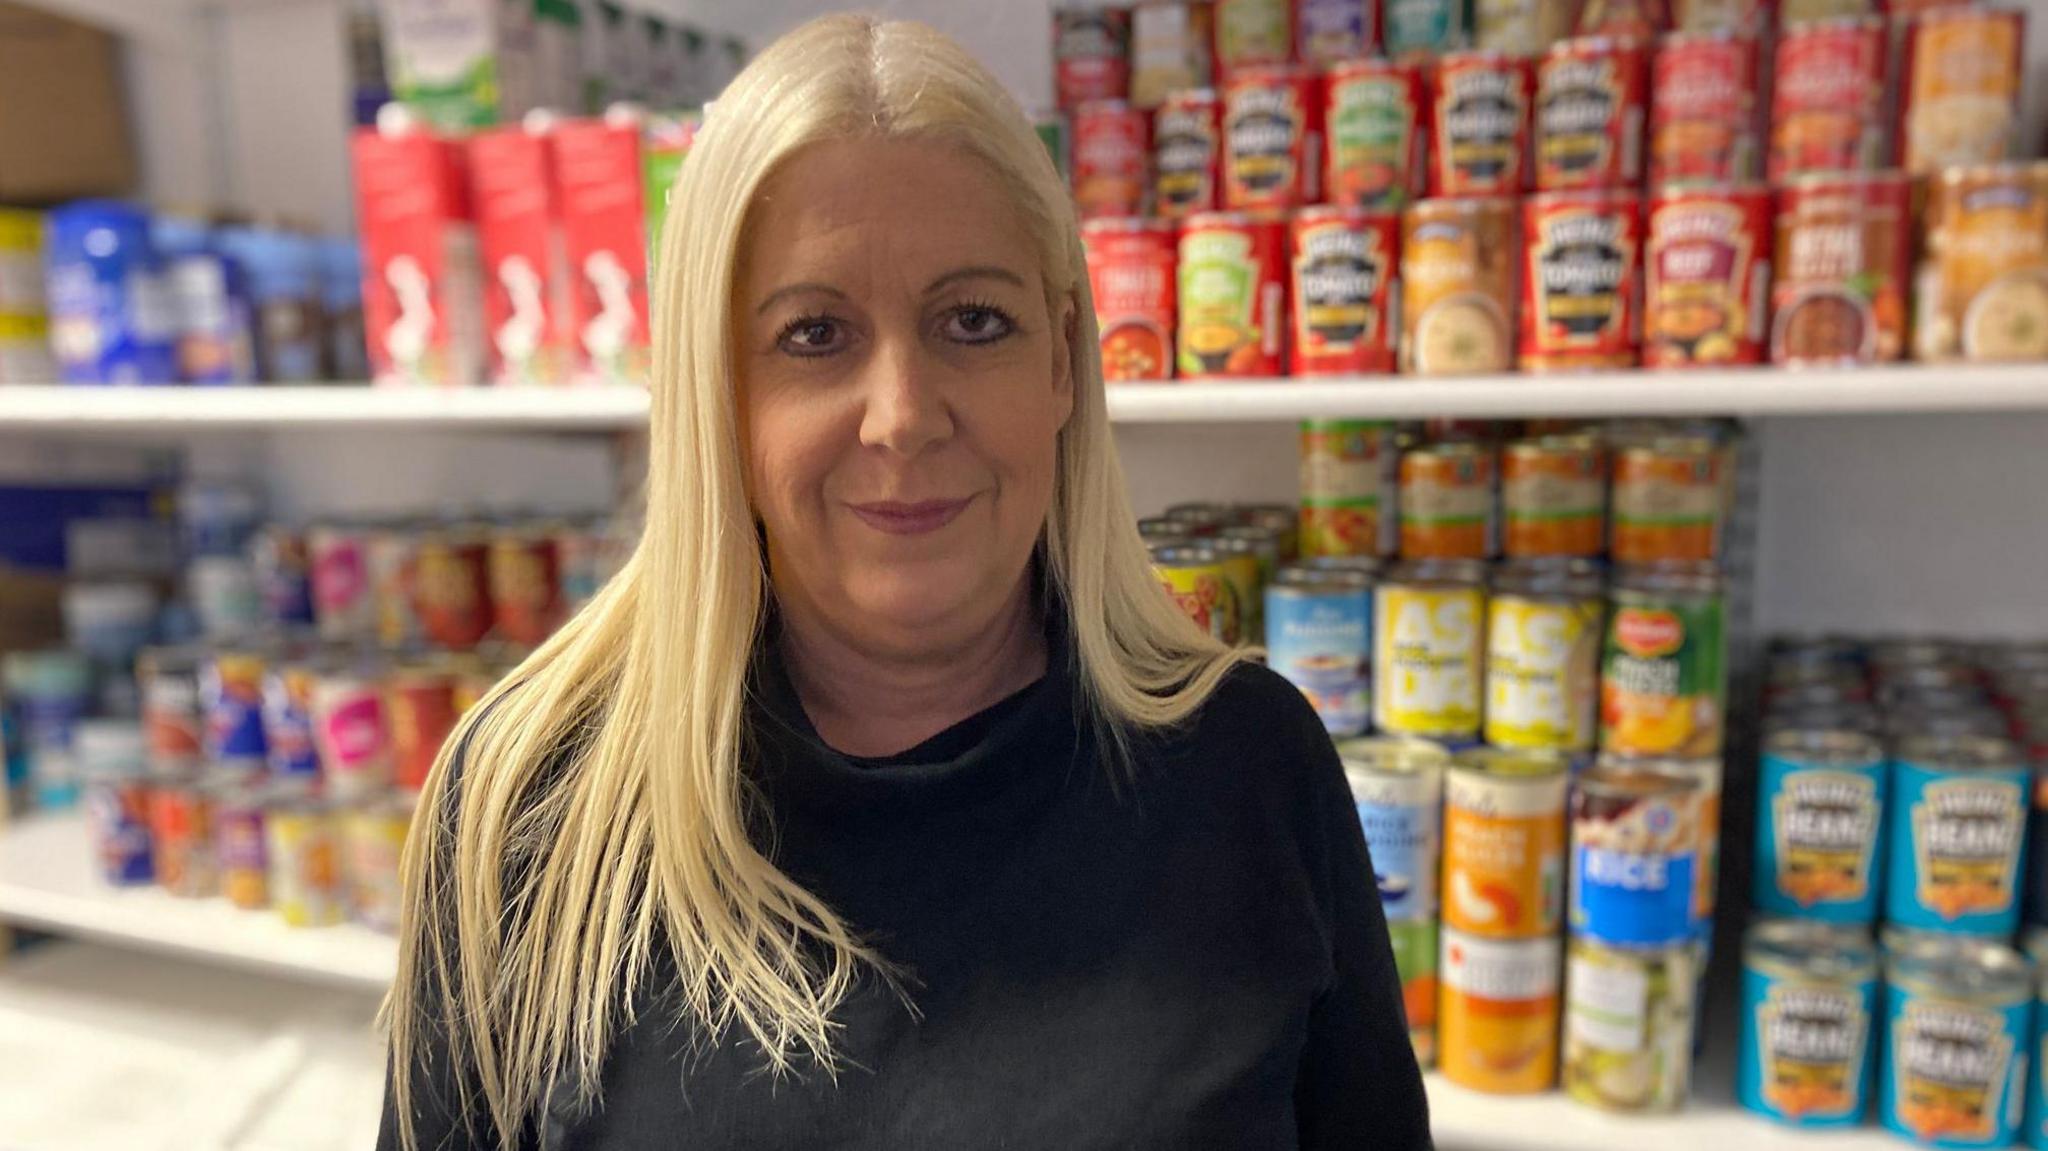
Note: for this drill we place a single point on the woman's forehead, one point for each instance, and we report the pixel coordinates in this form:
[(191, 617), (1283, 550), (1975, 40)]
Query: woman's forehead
[(871, 205)]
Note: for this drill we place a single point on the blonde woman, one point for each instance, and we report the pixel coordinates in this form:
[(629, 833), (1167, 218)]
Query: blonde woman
[(883, 800)]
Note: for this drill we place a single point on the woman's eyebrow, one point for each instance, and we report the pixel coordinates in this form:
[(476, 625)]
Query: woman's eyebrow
[(976, 272), (798, 290)]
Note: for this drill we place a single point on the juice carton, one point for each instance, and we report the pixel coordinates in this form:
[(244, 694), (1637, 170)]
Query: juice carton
[(461, 64), (665, 144), (525, 274), (598, 190), (422, 295)]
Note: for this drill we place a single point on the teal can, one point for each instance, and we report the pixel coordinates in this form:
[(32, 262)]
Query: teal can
[(1819, 824), (1959, 1021), (2037, 1073), (1809, 1011), (1956, 835), (1424, 26)]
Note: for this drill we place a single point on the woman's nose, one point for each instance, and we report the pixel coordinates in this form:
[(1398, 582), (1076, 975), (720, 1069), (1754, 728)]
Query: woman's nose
[(906, 410)]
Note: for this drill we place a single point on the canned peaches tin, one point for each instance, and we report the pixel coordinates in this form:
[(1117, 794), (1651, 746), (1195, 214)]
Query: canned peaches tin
[(1272, 139), (1458, 286), (1345, 265), (1131, 275), (1703, 108), (1826, 110), (1842, 257), (1983, 291), (1590, 106), (1706, 276), (1581, 306), (1479, 125), (1960, 100)]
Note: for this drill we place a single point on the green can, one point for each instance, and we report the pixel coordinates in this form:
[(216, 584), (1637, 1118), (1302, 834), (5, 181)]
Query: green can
[(1663, 678), (1052, 132), (1424, 26), (1415, 960)]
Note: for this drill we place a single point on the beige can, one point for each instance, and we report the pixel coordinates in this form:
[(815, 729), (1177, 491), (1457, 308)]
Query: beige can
[(1982, 290), (1459, 262)]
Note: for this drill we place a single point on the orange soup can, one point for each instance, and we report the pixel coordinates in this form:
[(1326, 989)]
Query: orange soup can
[(1447, 506), (452, 588), (1581, 300), (1112, 155), (419, 706), (1345, 264), (1961, 99), (1706, 276), (1459, 262), (1842, 257), (1591, 101), (1272, 139), (526, 584), (1553, 495), (1504, 835), (1232, 280), (1479, 124), (1703, 108), (1187, 153), (1670, 499), (1347, 486), (1497, 1018), (1828, 98), (1130, 274), (1983, 292)]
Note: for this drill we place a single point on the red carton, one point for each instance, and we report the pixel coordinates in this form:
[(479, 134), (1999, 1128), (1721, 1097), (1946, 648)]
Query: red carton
[(422, 309), (598, 191), (526, 312)]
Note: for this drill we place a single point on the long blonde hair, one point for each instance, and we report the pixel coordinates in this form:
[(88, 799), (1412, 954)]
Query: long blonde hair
[(594, 808)]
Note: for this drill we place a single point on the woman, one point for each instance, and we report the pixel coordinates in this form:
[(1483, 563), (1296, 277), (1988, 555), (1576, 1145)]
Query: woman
[(883, 800)]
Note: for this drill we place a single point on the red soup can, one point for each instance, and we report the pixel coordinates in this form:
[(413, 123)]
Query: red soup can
[(1843, 259), (1233, 296), (1187, 153), (1112, 152), (1828, 98), (1590, 108), (1376, 133), (526, 584), (1345, 263), (1130, 274), (1091, 51), (453, 588), (1479, 125), (419, 706), (1707, 276), (1580, 306), (1272, 139), (1703, 108)]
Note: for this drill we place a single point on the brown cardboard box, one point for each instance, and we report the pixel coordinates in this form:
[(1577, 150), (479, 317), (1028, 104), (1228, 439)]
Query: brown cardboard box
[(63, 120)]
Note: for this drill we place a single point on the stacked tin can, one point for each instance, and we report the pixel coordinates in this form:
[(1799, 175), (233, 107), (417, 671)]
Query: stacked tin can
[(1896, 789), (1215, 562)]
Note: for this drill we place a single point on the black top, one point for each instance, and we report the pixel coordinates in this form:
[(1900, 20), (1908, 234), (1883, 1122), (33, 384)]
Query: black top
[(1183, 951)]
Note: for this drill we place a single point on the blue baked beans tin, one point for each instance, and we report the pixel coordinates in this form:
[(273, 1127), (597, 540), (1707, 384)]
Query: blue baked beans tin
[(1319, 636), (1809, 1014), (1959, 1020), (2037, 1071), (1635, 848), (1819, 815), (1957, 835)]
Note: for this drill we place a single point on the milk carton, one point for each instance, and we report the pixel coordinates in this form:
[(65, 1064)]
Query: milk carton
[(525, 281), (598, 192), (422, 296), (461, 64)]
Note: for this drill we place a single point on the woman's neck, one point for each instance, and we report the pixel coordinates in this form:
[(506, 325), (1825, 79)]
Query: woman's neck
[(870, 703)]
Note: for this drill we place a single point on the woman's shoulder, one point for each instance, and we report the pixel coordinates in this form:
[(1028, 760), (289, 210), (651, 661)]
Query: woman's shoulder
[(1256, 719)]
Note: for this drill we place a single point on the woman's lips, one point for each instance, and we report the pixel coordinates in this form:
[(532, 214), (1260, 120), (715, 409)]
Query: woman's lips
[(909, 519)]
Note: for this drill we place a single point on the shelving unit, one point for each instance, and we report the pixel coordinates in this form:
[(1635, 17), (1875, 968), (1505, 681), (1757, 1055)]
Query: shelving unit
[(1736, 392)]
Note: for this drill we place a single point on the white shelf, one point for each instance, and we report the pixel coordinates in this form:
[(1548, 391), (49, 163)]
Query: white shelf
[(48, 881), (1742, 392)]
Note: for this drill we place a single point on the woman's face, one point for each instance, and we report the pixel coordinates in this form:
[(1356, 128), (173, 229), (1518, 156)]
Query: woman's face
[(902, 386)]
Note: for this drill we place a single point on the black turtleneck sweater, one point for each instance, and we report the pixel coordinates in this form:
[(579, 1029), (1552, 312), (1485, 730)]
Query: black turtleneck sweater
[(1182, 950)]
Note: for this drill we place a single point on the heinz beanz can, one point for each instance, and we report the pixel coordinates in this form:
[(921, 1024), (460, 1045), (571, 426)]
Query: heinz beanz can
[(1956, 835), (1809, 1012), (1958, 1018), (1428, 649), (1504, 838), (1497, 1018), (2037, 1078), (1319, 636), (1820, 814)]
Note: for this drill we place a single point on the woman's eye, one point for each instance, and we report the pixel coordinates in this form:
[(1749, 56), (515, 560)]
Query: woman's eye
[(811, 336), (977, 324)]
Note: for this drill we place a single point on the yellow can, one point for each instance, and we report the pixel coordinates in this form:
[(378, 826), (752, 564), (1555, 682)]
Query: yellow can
[(1428, 647), (1193, 576), (373, 840), (305, 862), (1543, 655), (1244, 567)]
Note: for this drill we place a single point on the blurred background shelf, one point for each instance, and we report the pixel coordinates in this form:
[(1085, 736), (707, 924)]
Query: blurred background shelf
[(1737, 392), (47, 881)]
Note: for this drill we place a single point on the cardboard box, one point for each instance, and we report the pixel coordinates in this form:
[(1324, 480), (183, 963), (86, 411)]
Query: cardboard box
[(63, 120)]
